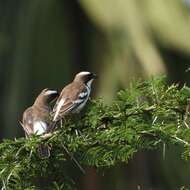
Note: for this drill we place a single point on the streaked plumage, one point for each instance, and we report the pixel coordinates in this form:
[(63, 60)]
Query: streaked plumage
[(36, 119), (74, 96)]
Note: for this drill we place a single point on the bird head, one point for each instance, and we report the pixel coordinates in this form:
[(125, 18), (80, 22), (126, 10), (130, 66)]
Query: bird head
[(85, 77), (49, 94), (46, 96)]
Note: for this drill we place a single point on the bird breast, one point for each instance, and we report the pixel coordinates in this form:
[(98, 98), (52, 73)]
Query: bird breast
[(82, 95), (40, 127)]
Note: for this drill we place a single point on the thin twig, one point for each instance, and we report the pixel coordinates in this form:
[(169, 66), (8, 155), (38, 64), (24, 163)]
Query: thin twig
[(181, 140), (74, 159)]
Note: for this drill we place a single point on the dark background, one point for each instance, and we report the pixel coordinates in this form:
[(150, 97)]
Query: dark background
[(45, 43)]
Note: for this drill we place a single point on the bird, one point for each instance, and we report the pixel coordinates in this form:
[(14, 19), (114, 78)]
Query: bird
[(74, 96), (36, 118)]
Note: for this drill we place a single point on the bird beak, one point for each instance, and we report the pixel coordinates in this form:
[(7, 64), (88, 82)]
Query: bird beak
[(95, 76)]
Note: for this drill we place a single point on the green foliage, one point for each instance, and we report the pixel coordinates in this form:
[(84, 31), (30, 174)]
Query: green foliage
[(145, 116), (184, 188)]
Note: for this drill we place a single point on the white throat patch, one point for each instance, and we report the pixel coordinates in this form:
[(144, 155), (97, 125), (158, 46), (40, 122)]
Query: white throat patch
[(89, 83)]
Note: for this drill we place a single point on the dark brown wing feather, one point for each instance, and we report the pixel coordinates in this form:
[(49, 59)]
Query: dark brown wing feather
[(33, 114), (70, 93), (66, 107), (28, 119)]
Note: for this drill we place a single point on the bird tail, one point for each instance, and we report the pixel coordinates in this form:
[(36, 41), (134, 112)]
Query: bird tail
[(43, 151)]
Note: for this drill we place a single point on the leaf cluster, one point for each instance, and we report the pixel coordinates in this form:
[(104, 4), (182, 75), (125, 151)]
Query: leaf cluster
[(145, 116)]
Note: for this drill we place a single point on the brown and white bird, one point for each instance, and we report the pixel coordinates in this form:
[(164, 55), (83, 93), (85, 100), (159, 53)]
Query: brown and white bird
[(73, 96), (36, 119)]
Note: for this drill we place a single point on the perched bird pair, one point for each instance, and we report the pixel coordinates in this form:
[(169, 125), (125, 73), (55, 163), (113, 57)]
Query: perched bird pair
[(36, 119)]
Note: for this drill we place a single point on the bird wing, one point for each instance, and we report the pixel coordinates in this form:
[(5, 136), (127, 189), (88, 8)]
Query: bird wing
[(71, 97), (35, 120), (27, 122)]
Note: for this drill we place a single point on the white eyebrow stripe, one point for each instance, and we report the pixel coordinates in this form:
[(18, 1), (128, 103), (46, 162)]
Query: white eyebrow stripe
[(83, 73), (60, 104), (50, 92), (40, 127)]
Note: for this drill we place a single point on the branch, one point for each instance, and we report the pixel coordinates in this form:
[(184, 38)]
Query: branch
[(145, 116)]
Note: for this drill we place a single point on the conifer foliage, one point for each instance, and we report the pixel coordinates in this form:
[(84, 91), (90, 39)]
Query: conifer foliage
[(145, 116)]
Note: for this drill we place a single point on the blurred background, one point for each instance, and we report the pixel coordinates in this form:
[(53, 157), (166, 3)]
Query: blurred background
[(45, 43)]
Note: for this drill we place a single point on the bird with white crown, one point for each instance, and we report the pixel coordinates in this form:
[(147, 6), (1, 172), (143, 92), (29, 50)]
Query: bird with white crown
[(74, 96)]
